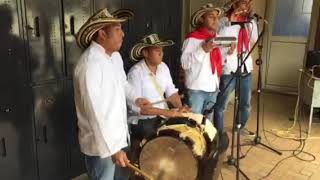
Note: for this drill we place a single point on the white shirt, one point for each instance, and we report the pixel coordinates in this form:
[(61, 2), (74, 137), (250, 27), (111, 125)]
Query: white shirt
[(141, 82), (197, 65), (100, 97), (230, 62)]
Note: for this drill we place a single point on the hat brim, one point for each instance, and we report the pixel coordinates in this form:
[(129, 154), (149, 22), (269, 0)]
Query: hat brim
[(136, 51), (86, 32), (198, 14)]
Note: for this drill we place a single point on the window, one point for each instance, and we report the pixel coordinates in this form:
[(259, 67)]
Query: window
[(292, 18)]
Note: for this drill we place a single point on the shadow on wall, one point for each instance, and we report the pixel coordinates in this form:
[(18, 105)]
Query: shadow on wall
[(14, 95)]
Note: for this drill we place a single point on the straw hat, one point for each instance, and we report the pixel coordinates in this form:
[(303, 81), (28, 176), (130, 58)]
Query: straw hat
[(196, 16), (97, 21), (148, 41)]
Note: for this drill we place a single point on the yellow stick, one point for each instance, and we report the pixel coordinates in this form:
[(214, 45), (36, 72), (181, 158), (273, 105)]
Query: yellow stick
[(142, 173)]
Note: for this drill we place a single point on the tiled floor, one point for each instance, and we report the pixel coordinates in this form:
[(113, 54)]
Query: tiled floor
[(275, 113)]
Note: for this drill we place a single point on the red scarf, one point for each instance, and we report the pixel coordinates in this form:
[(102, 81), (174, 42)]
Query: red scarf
[(243, 36), (215, 54)]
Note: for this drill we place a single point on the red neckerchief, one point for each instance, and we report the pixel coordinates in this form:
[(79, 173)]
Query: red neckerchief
[(243, 36), (215, 54)]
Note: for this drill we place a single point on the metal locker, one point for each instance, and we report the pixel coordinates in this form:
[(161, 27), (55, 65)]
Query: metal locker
[(160, 14), (17, 157), (75, 13), (76, 157), (156, 12), (135, 28), (17, 160), (173, 28), (43, 25), (51, 131), (112, 5)]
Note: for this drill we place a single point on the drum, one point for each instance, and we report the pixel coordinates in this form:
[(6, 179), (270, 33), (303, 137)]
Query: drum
[(175, 153)]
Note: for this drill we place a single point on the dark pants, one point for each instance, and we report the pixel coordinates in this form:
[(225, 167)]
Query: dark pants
[(210, 168), (146, 128)]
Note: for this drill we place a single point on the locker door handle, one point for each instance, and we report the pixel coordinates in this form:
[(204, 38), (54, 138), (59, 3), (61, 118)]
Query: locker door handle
[(6, 110), (4, 149), (44, 133), (37, 26), (72, 25)]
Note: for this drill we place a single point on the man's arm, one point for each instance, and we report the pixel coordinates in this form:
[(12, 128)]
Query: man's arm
[(254, 31), (175, 100), (192, 53), (153, 111), (89, 81)]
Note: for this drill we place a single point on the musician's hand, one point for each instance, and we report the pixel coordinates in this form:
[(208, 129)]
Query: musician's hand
[(185, 109), (120, 158), (142, 102), (173, 113), (209, 46), (232, 48)]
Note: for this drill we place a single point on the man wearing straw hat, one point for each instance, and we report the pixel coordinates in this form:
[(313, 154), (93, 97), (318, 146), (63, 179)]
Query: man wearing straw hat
[(151, 79), (201, 59), (239, 12), (101, 91)]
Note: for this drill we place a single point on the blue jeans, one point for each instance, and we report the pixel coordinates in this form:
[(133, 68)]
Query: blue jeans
[(201, 100), (104, 169), (222, 100)]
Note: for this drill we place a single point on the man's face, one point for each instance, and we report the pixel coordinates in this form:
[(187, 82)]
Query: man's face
[(113, 37), (243, 5), (153, 55), (211, 20)]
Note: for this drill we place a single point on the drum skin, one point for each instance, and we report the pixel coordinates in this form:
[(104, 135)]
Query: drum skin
[(178, 151), (191, 135), (168, 158)]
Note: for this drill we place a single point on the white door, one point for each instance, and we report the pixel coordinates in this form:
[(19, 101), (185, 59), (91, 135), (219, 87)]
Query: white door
[(286, 41)]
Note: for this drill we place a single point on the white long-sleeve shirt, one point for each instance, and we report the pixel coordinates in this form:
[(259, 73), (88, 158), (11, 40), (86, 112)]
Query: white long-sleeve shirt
[(197, 65), (100, 90), (143, 86), (230, 62)]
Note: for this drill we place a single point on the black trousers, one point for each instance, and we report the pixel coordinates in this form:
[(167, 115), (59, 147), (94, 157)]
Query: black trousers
[(146, 128), (211, 167)]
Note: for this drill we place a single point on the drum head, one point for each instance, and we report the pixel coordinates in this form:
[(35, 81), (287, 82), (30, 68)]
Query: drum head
[(168, 158)]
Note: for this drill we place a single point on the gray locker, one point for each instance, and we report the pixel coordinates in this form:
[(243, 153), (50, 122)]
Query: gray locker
[(140, 25), (112, 5), (75, 13), (51, 131), (43, 25), (16, 126), (76, 158)]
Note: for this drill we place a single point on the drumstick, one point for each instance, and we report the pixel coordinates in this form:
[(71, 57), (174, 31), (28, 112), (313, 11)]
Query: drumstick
[(165, 100), (142, 173)]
